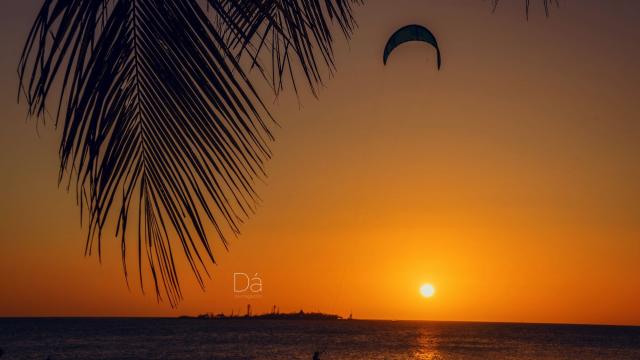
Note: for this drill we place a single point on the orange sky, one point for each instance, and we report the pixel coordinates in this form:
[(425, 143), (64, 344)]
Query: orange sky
[(509, 180)]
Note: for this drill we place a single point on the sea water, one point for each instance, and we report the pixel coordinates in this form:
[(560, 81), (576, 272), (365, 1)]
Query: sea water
[(121, 338)]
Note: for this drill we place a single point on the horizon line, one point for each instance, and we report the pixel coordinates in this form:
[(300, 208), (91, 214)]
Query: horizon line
[(178, 317)]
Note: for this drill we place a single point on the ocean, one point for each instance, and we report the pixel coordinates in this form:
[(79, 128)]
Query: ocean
[(122, 338)]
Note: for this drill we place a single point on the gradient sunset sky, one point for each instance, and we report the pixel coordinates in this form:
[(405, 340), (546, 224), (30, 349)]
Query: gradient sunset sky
[(509, 180)]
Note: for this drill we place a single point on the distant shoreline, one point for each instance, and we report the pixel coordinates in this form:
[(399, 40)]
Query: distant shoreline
[(274, 315)]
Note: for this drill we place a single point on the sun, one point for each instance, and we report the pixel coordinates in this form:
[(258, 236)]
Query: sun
[(427, 290)]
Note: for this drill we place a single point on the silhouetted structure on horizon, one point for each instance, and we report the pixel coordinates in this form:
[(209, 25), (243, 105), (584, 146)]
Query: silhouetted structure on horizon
[(273, 315)]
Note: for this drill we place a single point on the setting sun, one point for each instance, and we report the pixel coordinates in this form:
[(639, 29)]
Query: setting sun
[(427, 290)]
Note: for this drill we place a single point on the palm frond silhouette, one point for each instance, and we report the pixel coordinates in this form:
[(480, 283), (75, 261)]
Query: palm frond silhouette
[(162, 127)]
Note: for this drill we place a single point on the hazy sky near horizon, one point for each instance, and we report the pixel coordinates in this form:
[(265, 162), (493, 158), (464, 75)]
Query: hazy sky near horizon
[(510, 179)]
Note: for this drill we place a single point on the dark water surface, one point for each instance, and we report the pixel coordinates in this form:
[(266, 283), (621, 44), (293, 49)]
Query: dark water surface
[(345, 340)]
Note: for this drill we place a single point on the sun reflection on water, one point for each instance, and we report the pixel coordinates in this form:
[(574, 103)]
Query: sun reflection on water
[(427, 346)]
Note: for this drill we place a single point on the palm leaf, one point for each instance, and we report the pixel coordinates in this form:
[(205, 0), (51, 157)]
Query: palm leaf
[(156, 113), (291, 36), (527, 5), (160, 123)]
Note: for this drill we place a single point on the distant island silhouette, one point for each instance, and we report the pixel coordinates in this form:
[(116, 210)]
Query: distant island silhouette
[(275, 314)]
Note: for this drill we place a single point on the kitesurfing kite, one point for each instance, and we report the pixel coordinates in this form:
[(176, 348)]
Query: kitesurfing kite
[(411, 33)]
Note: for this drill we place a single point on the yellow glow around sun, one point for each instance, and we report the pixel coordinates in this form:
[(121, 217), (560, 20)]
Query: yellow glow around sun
[(427, 290)]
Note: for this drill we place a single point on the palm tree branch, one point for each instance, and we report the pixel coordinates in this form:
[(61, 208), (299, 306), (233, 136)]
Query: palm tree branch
[(156, 114)]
